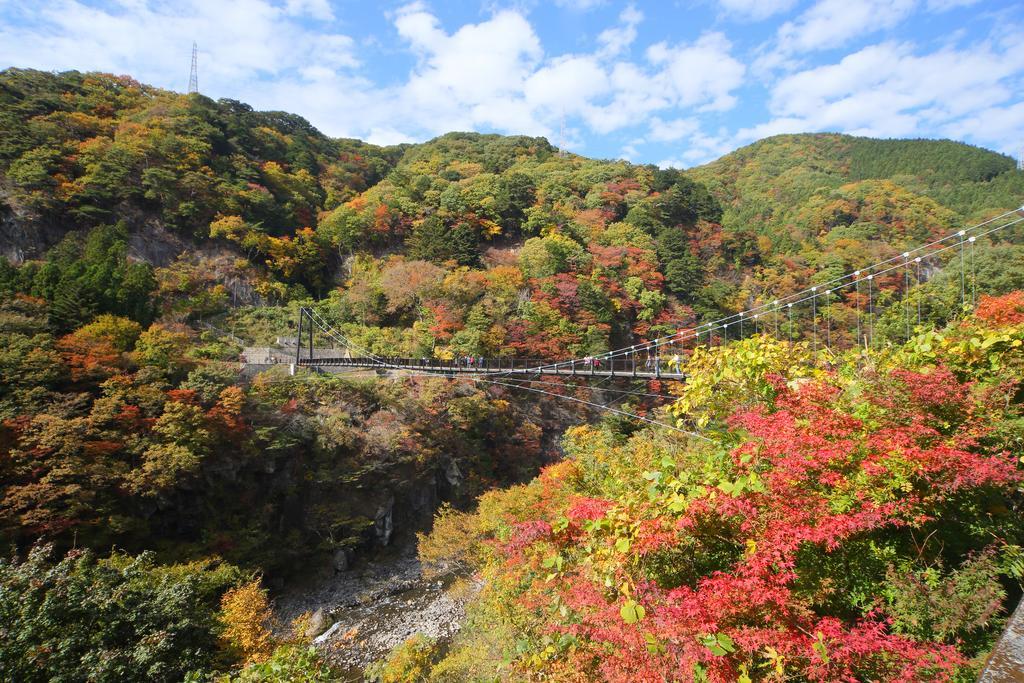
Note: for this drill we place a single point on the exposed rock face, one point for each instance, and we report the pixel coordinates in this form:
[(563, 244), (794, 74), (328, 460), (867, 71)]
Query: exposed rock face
[(452, 474), (25, 236), (21, 237), (383, 521), (153, 243), (340, 560)]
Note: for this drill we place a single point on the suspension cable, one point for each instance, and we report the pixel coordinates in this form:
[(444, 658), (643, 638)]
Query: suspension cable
[(592, 404), (596, 405), (974, 275), (692, 333), (906, 293), (724, 322), (797, 297)]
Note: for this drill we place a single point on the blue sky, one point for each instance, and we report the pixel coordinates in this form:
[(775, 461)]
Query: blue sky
[(673, 83)]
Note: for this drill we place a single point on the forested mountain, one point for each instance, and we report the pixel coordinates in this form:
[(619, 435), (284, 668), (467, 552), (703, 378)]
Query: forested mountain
[(764, 181), (147, 236)]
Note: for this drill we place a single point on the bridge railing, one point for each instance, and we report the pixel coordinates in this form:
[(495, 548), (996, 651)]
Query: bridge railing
[(635, 366)]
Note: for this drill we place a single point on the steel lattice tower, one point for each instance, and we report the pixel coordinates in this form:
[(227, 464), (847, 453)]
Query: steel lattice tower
[(193, 79)]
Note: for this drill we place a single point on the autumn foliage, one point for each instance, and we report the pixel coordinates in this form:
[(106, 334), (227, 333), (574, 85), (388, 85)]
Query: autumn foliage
[(1002, 310), (246, 615), (848, 525)]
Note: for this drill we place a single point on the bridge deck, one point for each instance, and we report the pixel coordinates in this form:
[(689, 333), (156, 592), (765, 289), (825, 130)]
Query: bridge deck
[(616, 367)]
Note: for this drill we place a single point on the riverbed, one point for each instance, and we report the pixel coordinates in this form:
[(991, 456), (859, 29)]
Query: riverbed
[(373, 606)]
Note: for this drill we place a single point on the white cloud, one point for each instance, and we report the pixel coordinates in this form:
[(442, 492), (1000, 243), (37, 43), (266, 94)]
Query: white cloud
[(946, 5), (704, 148), (388, 136), (700, 148), (416, 24), (636, 94), (318, 9), (493, 73), (702, 73), (617, 39), (1002, 127), (238, 42), (670, 131), (579, 5), (567, 84), (477, 62), (887, 90), (756, 9), (472, 77), (833, 23)]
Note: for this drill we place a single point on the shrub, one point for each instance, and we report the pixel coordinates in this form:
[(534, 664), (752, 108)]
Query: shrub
[(122, 618)]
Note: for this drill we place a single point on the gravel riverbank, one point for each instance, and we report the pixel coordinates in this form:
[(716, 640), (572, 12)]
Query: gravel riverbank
[(368, 609)]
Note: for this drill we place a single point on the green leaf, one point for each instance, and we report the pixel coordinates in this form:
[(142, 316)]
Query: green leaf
[(819, 647), (654, 645), (622, 545), (719, 645), (632, 612)]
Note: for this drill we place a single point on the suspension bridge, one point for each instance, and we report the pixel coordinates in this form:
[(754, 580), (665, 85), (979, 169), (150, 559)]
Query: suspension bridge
[(634, 366), (806, 315)]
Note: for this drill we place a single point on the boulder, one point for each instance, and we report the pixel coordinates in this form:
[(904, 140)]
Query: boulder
[(317, 623)]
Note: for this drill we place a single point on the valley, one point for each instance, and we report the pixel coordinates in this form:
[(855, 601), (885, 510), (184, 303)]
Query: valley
[(715, 420)]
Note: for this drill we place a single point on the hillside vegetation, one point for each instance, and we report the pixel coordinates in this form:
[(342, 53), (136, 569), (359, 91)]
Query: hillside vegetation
[(147, 236), (856, 523)]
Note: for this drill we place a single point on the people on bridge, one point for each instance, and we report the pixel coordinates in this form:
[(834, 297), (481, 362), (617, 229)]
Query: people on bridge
[(676, 363)]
